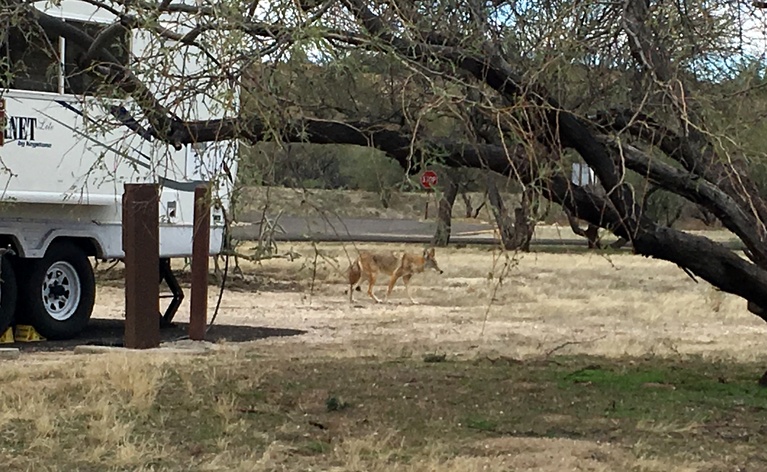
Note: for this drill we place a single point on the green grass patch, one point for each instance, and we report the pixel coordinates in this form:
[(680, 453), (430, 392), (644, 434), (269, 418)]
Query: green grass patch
[(662, 389)]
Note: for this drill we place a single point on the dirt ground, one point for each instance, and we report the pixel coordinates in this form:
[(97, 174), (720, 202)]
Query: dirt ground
[(519, 305)]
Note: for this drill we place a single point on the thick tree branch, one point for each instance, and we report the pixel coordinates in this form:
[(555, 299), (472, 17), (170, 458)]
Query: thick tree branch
[(101, 41), (698, 191), (104, 63), (728, 178)]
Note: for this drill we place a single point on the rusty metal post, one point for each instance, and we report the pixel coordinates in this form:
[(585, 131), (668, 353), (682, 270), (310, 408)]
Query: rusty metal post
[(141, 245), (200, 256)]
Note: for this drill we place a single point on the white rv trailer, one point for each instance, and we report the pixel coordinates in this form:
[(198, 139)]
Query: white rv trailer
[(65, 155)]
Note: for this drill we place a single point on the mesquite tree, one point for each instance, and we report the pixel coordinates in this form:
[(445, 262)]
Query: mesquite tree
[(648, 93)]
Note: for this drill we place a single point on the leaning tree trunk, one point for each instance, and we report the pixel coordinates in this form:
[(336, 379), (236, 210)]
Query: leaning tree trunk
[(467, 202), (516, 233), (445, 211), (591, 233), (479, 208)]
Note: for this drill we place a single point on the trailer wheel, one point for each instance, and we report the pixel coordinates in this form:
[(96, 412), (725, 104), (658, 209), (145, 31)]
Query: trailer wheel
[(59, 291), (8, 294)]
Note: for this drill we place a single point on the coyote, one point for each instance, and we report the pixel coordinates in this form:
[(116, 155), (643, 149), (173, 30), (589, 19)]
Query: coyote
[(369, 264)]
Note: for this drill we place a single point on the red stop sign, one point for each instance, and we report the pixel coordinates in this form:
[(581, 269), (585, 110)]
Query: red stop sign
[(429, 179)]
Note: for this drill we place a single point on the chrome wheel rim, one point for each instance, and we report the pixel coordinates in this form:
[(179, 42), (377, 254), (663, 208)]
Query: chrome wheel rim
[(61, 291)]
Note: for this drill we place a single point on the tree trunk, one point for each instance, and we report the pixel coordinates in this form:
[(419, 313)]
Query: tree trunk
[(480, 207), (505, 224), (467, 201), (445, 211), (591, 233), (516, 233), (702, 214), (524, 225)]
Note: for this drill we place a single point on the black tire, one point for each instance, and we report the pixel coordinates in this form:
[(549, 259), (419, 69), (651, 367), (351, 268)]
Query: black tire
[(9, 294), (58, 291)]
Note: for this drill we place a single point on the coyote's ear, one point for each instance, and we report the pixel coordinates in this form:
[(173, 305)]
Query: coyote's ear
[(431, 252)]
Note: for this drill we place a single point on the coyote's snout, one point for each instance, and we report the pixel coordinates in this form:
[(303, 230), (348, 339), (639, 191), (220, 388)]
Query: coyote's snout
[(369, 264)]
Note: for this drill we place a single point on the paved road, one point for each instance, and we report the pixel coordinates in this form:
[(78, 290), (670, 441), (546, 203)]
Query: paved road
[(383, 230), (292, 228)]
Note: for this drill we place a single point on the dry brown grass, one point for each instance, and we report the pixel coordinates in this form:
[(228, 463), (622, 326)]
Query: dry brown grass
[(489, 303), (52, 406)]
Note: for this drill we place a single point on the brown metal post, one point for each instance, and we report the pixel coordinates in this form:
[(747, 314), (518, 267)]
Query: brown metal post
[(141, 244), (200, 257)]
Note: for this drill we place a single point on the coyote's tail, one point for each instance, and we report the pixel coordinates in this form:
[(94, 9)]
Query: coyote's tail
[(354, 273)]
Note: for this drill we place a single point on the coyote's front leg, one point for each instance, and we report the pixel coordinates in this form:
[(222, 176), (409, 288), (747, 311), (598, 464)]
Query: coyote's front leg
[(406, 279), (372, 280), (392, 280)]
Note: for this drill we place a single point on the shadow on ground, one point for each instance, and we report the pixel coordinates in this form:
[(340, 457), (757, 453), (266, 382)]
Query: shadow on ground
[(110, 332)]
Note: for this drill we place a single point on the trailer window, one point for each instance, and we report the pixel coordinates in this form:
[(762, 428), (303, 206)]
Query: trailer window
[(31, 60), (79, 82)]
